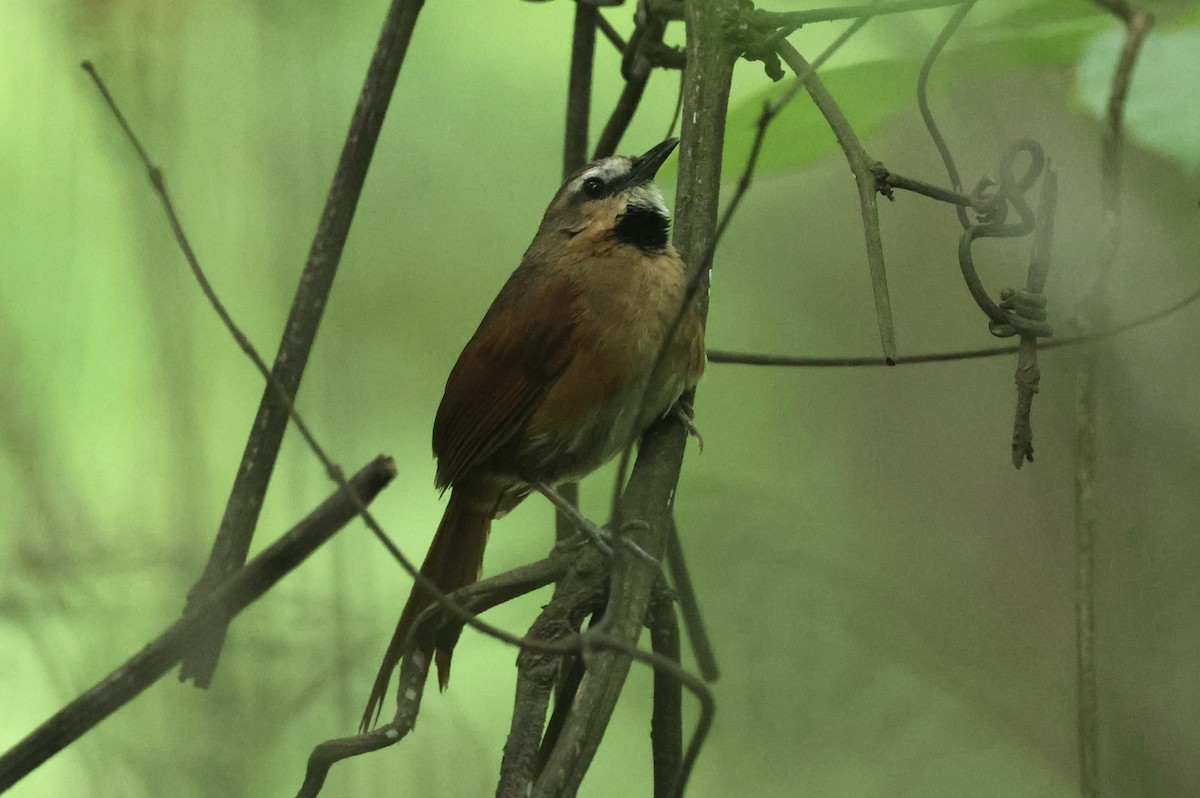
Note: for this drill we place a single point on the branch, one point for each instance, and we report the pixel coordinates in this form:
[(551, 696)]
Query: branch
[(647, 497), (798, 19), (666, 720), (478, 597), (445, 602), (1137, 25), (693, 621), (579, 92), (636, 65), (752, 359), (218, 608), (864, 178), (266, 433), (1028, 374)]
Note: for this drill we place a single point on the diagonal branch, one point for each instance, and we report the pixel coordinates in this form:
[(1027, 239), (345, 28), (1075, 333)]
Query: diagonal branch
[(218, 608), (266, 434)]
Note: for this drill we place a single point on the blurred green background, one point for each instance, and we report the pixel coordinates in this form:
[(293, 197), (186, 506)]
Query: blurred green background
[(890, 600)]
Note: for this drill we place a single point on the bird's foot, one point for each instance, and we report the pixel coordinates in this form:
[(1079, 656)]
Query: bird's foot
[(685, 414)]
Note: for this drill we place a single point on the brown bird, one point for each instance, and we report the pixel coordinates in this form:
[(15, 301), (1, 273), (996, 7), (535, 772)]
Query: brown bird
[(557, 378)]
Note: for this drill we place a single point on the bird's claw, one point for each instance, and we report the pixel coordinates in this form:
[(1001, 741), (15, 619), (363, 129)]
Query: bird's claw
[(685, 414)]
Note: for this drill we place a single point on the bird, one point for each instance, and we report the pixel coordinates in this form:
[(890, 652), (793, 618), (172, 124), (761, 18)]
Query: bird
[(564, 370)]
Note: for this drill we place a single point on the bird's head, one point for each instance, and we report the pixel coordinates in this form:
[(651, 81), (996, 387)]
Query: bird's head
[(613, 201)]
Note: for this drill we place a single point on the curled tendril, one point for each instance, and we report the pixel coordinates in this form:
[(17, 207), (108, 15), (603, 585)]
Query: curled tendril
[(1019, 312)]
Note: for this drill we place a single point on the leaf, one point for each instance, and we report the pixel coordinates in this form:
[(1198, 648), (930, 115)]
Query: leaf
[(871, 94), (1161, 110)]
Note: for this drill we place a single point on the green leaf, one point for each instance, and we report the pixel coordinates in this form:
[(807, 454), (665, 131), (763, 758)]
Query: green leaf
[(1161, 110), (871, 94)]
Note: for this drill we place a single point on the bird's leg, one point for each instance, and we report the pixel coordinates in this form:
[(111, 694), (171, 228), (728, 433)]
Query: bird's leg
[(597, 535), (685, 414)]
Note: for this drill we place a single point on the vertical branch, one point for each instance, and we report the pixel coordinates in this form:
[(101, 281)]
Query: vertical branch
[(233, 539), (666, 720), (866, 182), (647, 498), (1029, 376), (579, 93), (1137, 24), (575, 150)]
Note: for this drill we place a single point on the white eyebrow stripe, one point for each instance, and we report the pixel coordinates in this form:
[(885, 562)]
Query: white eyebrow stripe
[(606, 170)]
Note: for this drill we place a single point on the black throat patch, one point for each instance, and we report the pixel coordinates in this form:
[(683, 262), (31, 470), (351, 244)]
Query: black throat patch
[(642, 227)]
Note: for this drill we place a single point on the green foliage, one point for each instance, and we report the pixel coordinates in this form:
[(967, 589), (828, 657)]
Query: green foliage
[(1162, 112)]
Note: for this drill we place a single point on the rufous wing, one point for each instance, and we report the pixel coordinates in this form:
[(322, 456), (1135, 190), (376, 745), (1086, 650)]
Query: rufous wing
[(520, 349)]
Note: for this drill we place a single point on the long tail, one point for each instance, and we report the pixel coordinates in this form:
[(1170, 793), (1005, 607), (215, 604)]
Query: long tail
[(453, 561)]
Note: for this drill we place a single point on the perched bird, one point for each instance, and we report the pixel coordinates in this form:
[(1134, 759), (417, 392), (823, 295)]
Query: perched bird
[(558, 377)]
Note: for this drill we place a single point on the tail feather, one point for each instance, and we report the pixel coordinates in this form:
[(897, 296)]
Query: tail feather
[(453, 561)]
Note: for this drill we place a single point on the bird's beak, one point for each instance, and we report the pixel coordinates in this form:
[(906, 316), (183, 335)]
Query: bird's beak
[(646, 166)]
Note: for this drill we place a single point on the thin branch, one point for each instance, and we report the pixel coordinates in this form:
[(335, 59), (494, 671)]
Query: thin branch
[(579, 92), (1137, 25), (666, 720), (636, 66), (864, 179), (1028, 374), (704, 257), (217, 608), (266, 433), (478, 597), (693, 621), (610, 33), (647, 497), (443, 601), (751, 359), (923, 103), (797, 19)]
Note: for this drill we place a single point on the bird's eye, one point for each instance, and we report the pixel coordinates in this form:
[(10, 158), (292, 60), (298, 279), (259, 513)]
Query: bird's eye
[(593, 187)]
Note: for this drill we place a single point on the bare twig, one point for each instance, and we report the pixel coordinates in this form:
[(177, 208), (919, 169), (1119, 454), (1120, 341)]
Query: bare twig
[(575, 152), (579, 92), (693, 621), (752, 359), (610, 33), (797, 19), (666, 720), (1028, 374), (864, 178), (414, 667), (636, 68), (266, 434), (334, 472), (1137, 25), (217, 608)]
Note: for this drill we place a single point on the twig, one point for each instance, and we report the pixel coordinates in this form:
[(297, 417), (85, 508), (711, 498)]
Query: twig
[(266, 434), (414, 666), (703, 259), (1137, 25), (334, 472), (798, 19), (636, 67), (575, 152), (1028, 374), (923, 103), (610, 33), (666, 720), (864, 178), (752, 359), (579, 92), (217, 608), (693, 621), (647, 497), (578, 594)]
